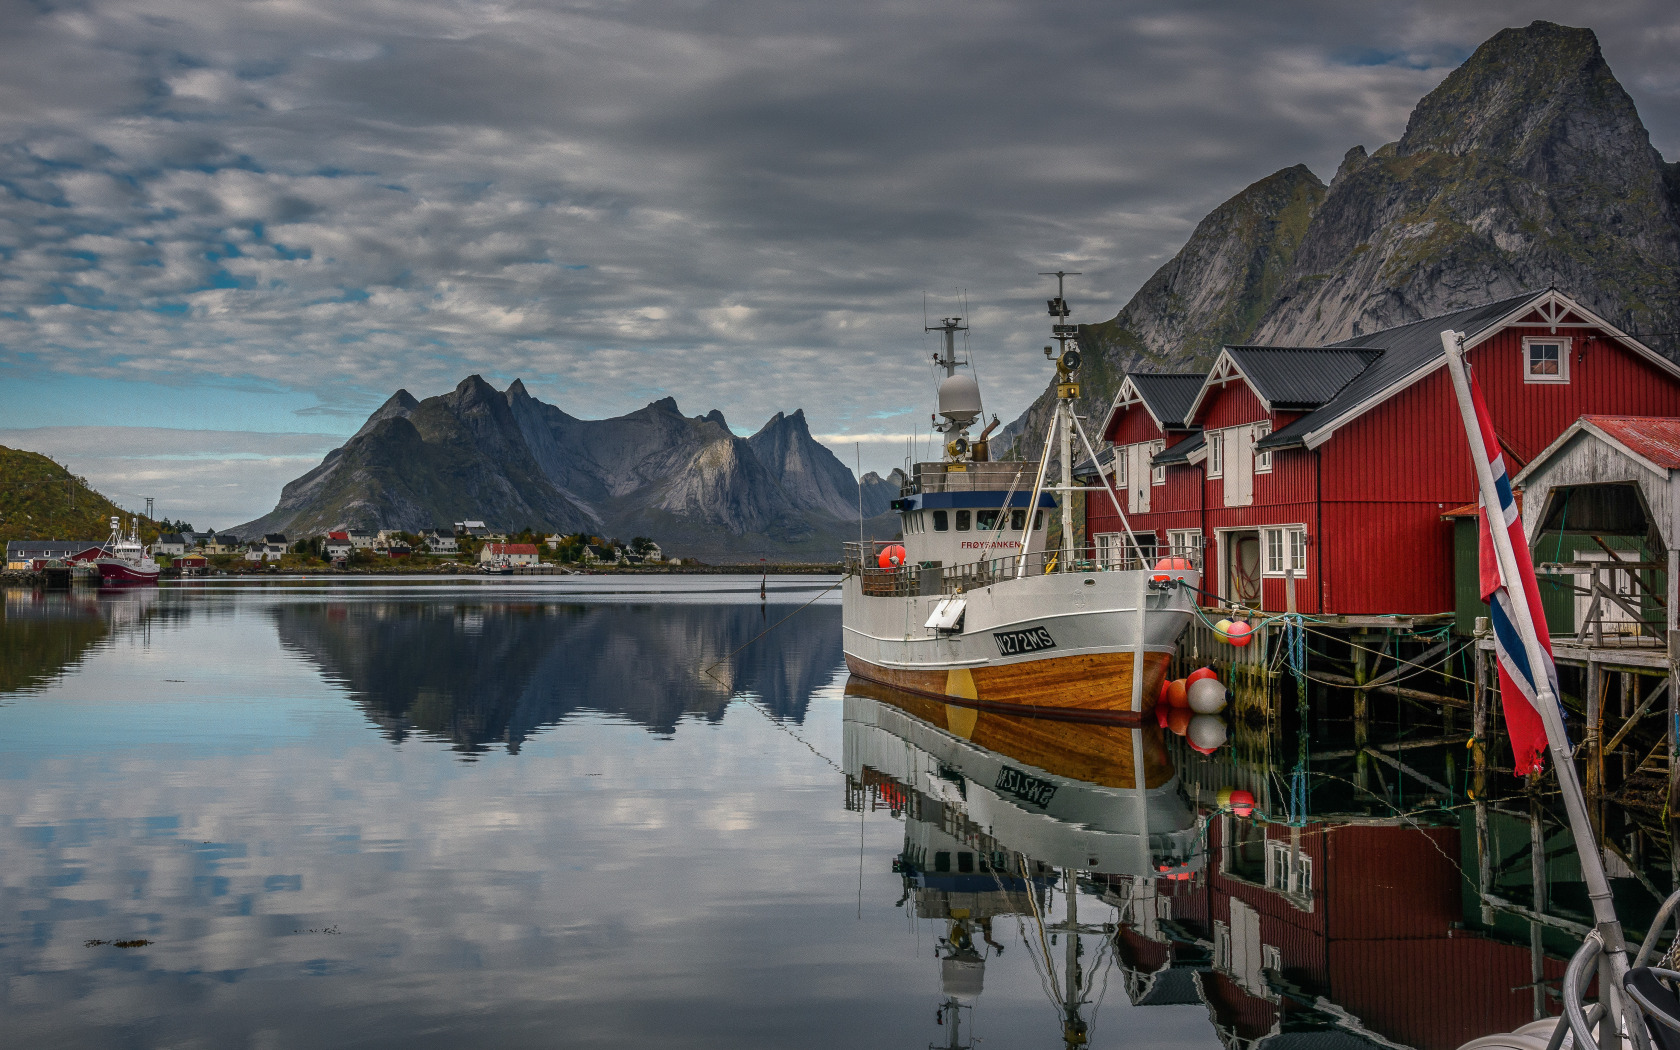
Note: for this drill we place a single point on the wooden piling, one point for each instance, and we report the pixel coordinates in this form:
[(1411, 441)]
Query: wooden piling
[(1480, 723)]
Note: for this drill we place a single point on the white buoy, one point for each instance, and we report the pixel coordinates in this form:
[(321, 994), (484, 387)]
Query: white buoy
[(1206, 732), (1207, 696)]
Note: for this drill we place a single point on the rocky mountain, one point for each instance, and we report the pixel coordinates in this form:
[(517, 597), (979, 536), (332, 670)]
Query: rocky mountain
[(688, 481), (40, 500), (1527, 167)]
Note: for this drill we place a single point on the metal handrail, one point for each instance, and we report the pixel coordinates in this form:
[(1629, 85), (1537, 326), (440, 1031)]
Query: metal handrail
[(861, 559)]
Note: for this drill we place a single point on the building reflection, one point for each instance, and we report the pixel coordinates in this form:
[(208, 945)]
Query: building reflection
[(483, 674), (999, 812), (44, 633)]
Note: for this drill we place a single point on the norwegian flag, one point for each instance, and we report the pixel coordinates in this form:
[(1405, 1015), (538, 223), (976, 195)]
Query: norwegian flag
[(1516, 677)]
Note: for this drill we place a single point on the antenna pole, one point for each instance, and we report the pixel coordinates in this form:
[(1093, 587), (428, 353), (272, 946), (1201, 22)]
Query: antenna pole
[(1062, 422)]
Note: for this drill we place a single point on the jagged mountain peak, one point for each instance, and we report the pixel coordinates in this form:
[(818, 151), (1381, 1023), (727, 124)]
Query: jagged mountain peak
[(398, 404), (714, 416), (1520, 88), (517, 389)]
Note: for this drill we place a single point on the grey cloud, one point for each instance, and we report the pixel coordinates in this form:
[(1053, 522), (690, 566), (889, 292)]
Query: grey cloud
[(738, 203)]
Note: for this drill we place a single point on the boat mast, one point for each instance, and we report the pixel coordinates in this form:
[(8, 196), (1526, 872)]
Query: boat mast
[(1067, 362)]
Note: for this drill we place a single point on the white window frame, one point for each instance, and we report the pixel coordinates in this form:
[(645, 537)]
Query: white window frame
[(1262, 459), (1157, 474), (1563, 344), (1181, 540), (1216, 453), (1291, 551), (1118, 461)]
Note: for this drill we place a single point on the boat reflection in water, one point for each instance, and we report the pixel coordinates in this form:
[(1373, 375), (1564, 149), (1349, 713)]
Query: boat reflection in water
[(1001, 810)]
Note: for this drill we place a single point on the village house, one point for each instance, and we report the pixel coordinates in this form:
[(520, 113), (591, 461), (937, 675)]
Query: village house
[(29, 555), (440, 542), (508, 554), (171, 543), (362, 539), (1334, 464), (265, 552), (191, 564), (276, 538), (478, 530), (222, 543), (337, 546), (596, 554)]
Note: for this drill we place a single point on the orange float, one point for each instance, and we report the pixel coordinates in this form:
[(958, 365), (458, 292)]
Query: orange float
[(1178, 720), (891, 556), (1167, 567), (1175, 694), (1242, 802), (1239, 634)]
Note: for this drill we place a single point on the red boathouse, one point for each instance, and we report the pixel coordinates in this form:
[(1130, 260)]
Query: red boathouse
[(1337, 462)]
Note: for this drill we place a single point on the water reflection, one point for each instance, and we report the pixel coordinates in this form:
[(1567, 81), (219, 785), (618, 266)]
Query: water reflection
[(997, 812), (481, 673), (44, 633)]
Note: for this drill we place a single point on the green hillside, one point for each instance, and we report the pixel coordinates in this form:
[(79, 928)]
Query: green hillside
[(40, 500)]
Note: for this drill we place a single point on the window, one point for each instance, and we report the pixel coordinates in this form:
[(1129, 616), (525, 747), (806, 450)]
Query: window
[(941, 521), (965, 862), (1157, 475), (963, 518), (1262, 459), (1017, 520), (1119, 461), (986, 520), (1184, 542), (1546, 359), (1215, 453), (1038, 521), (941, 861), (1285, 549)]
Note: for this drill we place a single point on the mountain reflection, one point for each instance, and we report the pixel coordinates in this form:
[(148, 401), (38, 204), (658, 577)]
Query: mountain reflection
[(479, 674)]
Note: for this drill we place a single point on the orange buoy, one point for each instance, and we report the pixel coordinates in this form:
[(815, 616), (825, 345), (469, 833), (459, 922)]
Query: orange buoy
[(1239, 634), (1242, 802), (1167, 567), (1178, 720), (891, 556), (1175, 694), (1162, 711)]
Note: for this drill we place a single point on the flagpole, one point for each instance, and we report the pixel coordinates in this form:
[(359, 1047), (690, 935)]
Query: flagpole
[(1580, 825)]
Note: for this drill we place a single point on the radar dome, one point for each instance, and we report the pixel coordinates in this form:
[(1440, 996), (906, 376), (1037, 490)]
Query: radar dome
[(959, 399)]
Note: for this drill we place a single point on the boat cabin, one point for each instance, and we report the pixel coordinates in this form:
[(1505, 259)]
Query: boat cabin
[(961, 513)]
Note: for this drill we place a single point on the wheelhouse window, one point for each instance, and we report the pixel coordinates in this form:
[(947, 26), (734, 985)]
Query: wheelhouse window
[(1038, 521), (941, 521), (1157, 475), (963, 520), (1216, 453), (985, 520), (1017, 520), (1546, 359)]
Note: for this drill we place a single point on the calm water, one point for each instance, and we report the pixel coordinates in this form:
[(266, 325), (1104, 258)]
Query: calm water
[(524, 813)]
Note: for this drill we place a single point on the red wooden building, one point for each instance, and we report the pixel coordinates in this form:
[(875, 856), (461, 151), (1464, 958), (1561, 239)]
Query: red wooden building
[(1337, 462)]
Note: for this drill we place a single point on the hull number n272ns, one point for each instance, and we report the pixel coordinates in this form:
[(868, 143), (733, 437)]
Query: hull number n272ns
[(1024, 786), (1029, 640)]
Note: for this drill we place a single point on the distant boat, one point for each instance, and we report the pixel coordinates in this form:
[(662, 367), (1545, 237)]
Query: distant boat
[(127, 560)]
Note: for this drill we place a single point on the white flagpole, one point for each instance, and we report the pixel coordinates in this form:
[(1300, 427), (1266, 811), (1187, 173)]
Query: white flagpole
[(1580, 825)]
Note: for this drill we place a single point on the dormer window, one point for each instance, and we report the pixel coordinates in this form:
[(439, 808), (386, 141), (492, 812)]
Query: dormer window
[(1545, 359)]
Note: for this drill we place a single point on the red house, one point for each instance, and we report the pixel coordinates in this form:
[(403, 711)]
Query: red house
[(1337, 462)]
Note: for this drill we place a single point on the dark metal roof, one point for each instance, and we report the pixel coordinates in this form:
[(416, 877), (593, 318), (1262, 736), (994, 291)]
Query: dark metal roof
[(1174, 986), (1300, 377), (1168, 395), (1407, 349), (1179, 453)]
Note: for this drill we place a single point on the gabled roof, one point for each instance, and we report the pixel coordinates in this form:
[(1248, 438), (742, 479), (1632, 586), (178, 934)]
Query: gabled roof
[(1412, 351), (1166, 396), (1187, 451), (1300, 377), (1652, 440)]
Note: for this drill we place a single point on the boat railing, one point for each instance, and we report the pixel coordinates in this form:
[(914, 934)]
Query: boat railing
[(970, 477), (1648, 997), (931, 578)]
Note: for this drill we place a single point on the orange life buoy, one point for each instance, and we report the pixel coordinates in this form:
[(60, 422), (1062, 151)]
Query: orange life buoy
[(891, 556)]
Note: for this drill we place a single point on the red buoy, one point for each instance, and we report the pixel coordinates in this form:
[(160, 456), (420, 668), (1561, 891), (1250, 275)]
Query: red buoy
[(1242, 802), (1200, 673), (1239, 633), (1172, 568), (891, 556)]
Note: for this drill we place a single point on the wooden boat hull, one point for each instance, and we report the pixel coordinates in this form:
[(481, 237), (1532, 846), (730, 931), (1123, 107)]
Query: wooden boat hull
[(1087, 687)]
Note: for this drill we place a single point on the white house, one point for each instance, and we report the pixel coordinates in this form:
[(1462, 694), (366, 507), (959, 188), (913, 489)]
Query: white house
[(337, 549), (265, 552), (362, 539), (508, 554), (171, 543), (440, 542)]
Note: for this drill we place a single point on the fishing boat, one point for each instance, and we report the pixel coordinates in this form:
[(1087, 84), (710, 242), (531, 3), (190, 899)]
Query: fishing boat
[(126, 559), (972, 607)]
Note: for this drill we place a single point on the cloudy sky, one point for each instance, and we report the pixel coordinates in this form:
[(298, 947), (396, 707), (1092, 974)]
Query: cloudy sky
[(233, 228)]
